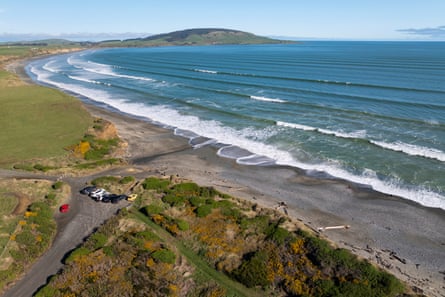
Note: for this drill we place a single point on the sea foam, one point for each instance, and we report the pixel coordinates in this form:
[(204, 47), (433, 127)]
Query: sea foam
[(266, 99), (413, 150), (103, 69), (206, 71), (360, 134)]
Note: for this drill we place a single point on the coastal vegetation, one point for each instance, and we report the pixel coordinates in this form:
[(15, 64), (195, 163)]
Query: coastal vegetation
[(27, 227), (181, 239)]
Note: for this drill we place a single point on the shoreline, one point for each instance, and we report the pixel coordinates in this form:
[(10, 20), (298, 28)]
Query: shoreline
[(399, 246), (403, 237)]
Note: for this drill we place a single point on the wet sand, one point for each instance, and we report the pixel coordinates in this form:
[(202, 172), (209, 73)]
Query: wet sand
[(402, 237)]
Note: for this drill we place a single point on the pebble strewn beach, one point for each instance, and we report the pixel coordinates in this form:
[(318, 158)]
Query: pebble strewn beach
[(400, 236)]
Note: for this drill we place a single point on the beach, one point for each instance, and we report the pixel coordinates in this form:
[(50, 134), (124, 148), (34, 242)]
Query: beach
[(400, 236)]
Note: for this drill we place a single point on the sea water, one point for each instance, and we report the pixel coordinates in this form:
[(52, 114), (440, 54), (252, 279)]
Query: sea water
[(369, 112)]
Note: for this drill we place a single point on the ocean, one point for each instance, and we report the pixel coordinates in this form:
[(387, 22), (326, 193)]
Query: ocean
[(372, 113)]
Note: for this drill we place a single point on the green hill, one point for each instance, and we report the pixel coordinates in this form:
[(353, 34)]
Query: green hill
[(206, 36)]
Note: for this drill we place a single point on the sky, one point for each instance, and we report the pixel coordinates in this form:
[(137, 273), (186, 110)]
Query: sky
[(301, 19)]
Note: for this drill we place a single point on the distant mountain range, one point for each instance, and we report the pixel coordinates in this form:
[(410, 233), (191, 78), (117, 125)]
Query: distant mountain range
[(201, 36)]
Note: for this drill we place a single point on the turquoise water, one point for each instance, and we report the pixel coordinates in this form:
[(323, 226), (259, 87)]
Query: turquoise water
[(369, 112)]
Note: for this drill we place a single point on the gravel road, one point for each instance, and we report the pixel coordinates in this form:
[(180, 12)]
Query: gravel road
[(83, 217)]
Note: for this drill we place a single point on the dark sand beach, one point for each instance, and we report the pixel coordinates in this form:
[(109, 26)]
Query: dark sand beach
[(400, 236), (403, 237)]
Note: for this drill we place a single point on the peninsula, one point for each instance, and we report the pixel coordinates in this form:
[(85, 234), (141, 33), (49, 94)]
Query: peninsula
[(202, 36)]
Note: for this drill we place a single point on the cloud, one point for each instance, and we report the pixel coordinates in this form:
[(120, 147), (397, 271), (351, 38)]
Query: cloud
[(437, 32)]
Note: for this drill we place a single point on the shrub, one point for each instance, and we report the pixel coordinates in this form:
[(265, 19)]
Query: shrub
[(43, 168), (165, 256), (196, 201), (26, 238), (109, 251), (148, 235), (26, 167), (103, 180), (182, 225), (203, 210), (46, 291), (188, 189), (74, 255), (126, 180), (43, 210), (279, 235), (81, 148), (153, 209), (99, 148), (57, 185), (153, 183), (94, 155), (51, 196), (174, 200), (98, 240), (253, 271), (258, 223), (208, 192)]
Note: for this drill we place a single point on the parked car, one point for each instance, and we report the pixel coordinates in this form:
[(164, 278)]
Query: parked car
[(64, 208), (118, 198), (109, 197), (98, 194), (88, 190), (132, 197)]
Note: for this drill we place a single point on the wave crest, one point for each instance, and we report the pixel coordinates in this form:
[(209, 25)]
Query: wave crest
[(266, 99), (206, 71), (413, 150)]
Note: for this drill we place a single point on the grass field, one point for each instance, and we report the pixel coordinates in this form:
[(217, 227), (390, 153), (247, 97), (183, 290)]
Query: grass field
[(19, 51), (35, 122), (38, 122)]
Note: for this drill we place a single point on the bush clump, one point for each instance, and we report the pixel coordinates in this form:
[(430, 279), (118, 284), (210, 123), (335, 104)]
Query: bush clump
[(104, 180), (203, 210), (153, 183), (153, 209), (97, 240), (74, 255), (165, 256), (126, 180), (253, 271), (57, 185), (183, 225)]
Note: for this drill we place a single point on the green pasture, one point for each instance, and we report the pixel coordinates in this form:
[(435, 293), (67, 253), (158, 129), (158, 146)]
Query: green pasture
[(38, 122), (19, 51)]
